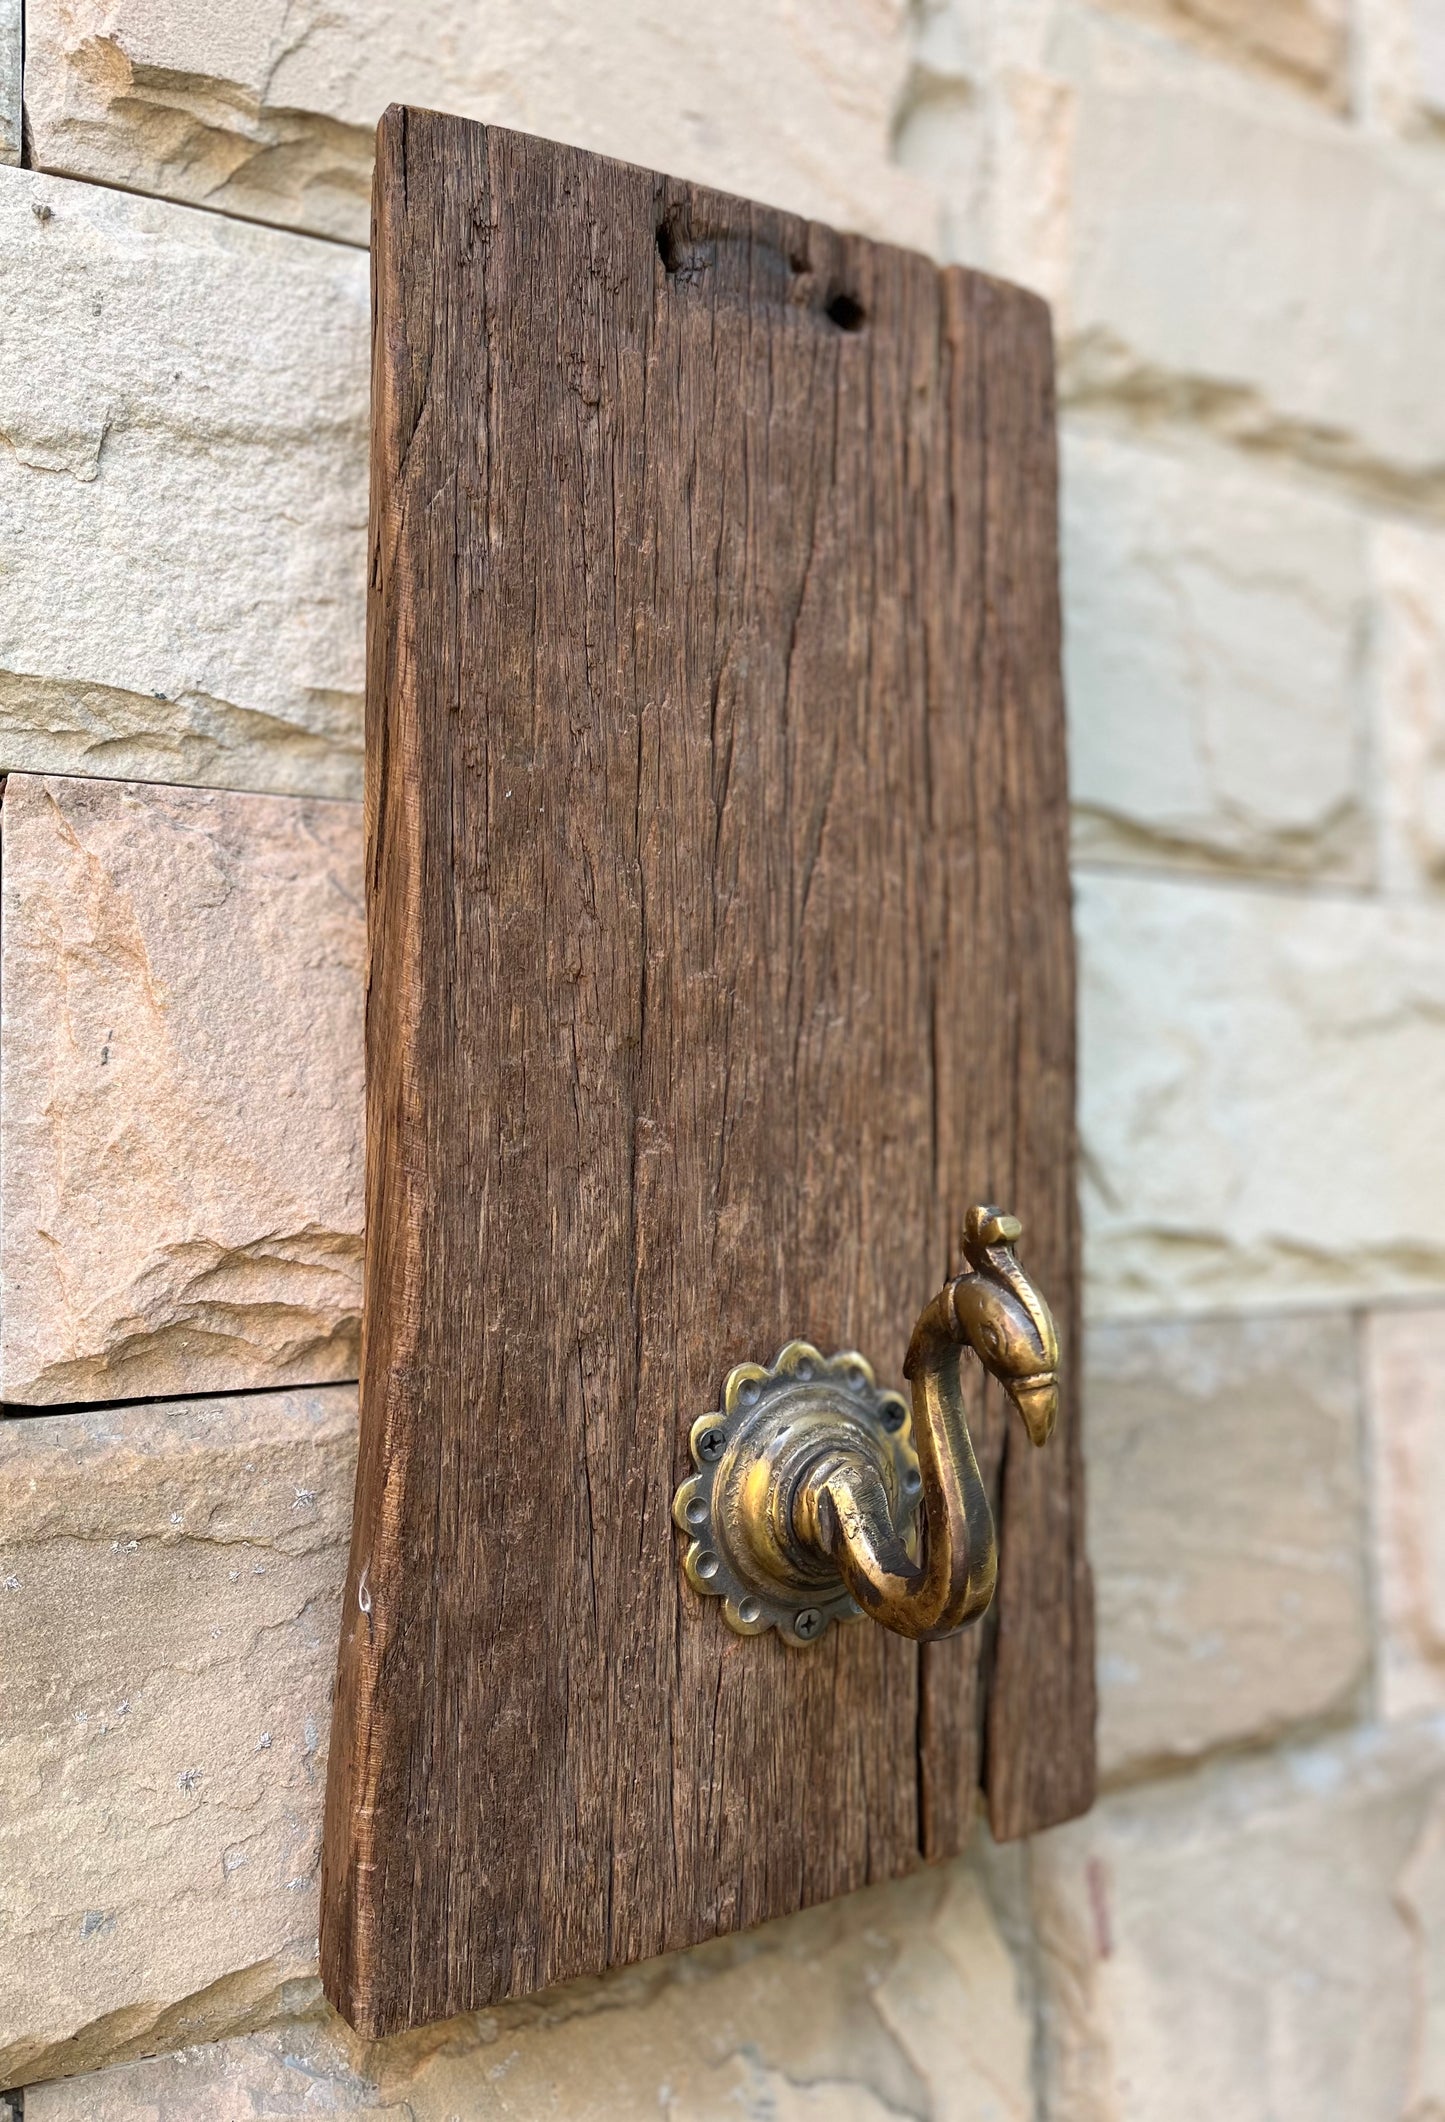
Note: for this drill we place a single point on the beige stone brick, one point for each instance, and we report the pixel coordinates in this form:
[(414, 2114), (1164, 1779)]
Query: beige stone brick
[(180, 1090), (1214, 619), (1385, 66), (1303, 42), (1409, 704), (1262, 1102), (1405, 1377), (182, 494), (1427, 21), (942, 134), (900, 2000), (1259, 264), (169, 1579), (1421, 1898), (1260, 1942), (10, 47), (1226, 1531), (1400, 63), (1222, 252), (269, 110), (987, 123)]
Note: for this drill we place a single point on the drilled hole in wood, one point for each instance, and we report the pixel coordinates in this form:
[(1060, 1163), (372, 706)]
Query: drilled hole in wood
[(848, 313)]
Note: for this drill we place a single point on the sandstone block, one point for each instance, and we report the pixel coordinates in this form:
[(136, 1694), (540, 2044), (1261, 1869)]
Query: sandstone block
[(1427, 20), (1227, 1532), (1262, 1104), (1213, 625), (180, 1090), (1216, 252), (1302, 42), (270, 112), (1259, 1942), (183, 495), (1333, 310), (169, 1580), (1400, 63), (1405, 1377), (1409, 694), (10, 51), (1221, 252), (900, 2000)]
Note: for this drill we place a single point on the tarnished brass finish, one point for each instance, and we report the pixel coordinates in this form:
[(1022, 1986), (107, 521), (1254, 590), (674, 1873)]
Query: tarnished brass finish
[(818, 1498)]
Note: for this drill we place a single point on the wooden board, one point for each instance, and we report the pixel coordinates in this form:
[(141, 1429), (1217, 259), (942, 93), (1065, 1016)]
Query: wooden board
[(720, 957)]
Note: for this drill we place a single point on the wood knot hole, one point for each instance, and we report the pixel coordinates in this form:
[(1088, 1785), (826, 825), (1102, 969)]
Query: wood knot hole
[(683, 257)]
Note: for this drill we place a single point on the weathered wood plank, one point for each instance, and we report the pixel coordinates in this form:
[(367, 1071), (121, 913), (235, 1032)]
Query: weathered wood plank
[(715, 782)]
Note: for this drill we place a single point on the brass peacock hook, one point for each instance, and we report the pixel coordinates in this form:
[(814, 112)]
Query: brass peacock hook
[(811, 1501)]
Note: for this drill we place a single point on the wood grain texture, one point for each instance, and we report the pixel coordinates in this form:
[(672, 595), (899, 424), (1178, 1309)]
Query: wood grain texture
[(720, 957)]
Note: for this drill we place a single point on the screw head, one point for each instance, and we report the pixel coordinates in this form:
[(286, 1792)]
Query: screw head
[(807, 1624), (712, 1444), (893, 1414)]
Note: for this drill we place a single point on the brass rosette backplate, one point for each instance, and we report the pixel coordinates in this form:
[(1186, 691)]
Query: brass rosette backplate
[(775, 1424)]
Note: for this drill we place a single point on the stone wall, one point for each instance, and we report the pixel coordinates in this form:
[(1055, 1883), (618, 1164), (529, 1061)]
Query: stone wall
[(1237, 209)]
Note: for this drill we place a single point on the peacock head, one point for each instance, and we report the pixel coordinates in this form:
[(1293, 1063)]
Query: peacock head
[(1005, 1320)]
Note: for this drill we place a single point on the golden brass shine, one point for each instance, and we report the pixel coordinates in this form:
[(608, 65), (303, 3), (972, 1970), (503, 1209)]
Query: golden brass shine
[(818, 1497)]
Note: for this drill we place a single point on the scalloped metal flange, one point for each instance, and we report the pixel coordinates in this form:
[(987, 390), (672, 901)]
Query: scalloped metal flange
[(801, 1385)]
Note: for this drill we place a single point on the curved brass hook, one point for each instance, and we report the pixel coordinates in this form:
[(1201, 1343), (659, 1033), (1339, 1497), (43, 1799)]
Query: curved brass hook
[(804, 1504), (842, 1507)]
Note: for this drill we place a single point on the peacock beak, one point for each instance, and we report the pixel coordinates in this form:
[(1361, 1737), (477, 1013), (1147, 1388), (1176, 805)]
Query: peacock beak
[(1037, 1400)]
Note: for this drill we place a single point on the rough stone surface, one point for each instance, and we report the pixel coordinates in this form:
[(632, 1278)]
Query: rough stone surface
[(1262, 1100), (180, 1090), (183, 407), (10, 48), (1427, 21), (1409, 693), (1227, 1533), (1215, 626), (269, 110), (1400, 65), (1216, 251), (1258, 1943), (168, 1588), (1249, 262), (1405, 1373), (900, 2001), (987, 124), (1304, 42)]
